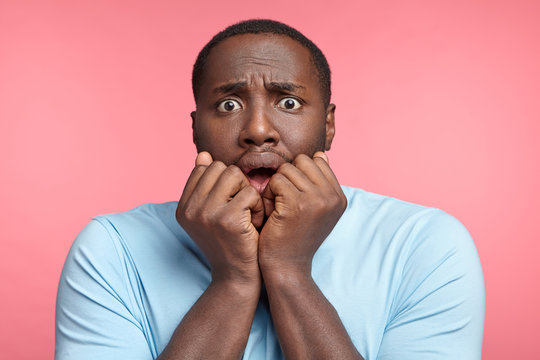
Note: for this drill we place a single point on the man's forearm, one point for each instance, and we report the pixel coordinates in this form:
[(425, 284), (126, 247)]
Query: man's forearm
[(218, 324), (306, 323)]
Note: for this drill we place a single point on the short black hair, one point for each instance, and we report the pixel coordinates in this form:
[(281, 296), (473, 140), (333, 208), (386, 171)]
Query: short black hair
[(264, 26)]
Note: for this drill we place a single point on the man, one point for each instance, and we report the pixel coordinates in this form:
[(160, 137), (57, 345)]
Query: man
[(266, 256)]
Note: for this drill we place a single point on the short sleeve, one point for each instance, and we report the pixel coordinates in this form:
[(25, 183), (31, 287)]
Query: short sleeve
[(438, 310), (94, 316)]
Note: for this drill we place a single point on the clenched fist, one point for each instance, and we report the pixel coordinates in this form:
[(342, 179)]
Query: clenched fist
[(220, 211), (303, 202)]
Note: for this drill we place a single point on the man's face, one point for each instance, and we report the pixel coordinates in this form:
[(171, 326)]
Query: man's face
[(260, 104)]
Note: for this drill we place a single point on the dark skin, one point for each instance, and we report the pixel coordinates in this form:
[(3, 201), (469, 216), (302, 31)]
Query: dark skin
[(260, 201)]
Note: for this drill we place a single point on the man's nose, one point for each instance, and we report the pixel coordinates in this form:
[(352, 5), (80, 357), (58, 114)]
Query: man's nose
[(258, 129)]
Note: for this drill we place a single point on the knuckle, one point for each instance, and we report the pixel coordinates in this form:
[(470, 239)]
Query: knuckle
[(285, 166), (334, 200), (225, 220), (277, 178), (234, 170), (206, 218), (188, 214), (219, 165), (337, 202), (251, 191), (344, 202), (320, 203), (199, 168), (301, 158), (304, 207), (276, 181)]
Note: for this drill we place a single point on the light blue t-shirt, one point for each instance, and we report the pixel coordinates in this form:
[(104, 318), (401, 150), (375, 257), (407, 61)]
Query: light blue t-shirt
[(405, 280)]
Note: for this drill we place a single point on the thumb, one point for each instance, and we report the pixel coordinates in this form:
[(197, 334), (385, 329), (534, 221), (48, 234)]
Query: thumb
[(268, 200)]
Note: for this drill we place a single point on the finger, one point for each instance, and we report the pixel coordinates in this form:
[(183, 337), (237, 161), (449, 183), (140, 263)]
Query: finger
[(310, 169), (268, 200), (278, 187), (191, 183), (249, 199), (203, 158), (325, 168), (207, 181), (229, 183), (295, 176)]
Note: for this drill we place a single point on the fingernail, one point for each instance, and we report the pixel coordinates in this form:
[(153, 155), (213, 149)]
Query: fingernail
[(203, 158), (322, 155)]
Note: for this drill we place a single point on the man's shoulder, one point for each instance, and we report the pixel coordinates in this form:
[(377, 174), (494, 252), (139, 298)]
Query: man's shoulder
[(362, 203), (145, 241), (142, 214), (138, 229), (145, 218), (389, 218)]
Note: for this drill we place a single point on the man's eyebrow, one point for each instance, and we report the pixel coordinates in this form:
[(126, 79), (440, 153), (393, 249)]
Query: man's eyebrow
[(287, 86), (273, 85), (230, 87)]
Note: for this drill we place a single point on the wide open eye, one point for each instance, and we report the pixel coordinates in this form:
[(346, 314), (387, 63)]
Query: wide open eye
[(229, 105), (289, 103)]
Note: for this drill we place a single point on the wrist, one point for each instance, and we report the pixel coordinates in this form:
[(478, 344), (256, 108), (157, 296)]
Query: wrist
[(238, 286), (287, 276), (244, 272)]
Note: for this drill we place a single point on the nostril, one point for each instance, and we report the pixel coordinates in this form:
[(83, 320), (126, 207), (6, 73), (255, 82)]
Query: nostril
[(253, 136), (249, 141)]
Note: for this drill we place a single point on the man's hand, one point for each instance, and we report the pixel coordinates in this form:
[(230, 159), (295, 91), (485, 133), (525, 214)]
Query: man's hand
[(303, 202), (220, 211)]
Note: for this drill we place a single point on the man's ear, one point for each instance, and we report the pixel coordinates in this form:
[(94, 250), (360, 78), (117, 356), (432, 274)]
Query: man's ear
[(193, 116), (330, 126)]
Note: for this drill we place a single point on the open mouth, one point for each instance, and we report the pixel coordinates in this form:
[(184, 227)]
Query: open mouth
[(259, 177)]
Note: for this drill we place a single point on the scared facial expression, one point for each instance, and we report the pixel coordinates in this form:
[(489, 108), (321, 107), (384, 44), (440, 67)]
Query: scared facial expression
[(260, 104)]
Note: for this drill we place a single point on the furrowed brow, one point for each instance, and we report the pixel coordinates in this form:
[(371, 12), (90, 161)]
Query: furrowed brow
[(227, 88), (284, 86)]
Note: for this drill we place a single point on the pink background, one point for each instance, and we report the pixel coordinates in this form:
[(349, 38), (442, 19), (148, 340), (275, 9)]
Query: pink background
[(437, 103)]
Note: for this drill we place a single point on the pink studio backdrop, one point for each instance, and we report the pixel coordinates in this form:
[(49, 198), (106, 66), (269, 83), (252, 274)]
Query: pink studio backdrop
[(437, 103)]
